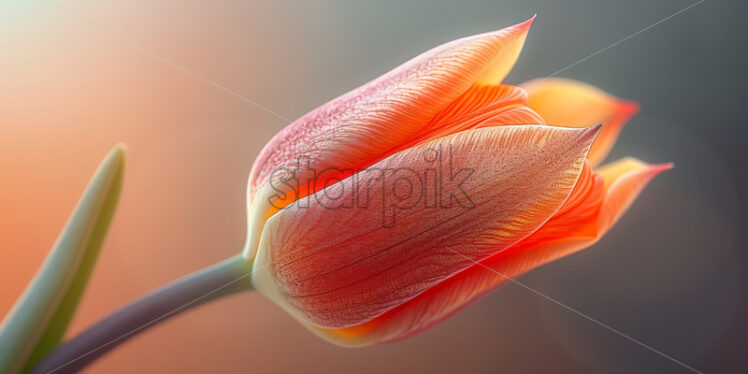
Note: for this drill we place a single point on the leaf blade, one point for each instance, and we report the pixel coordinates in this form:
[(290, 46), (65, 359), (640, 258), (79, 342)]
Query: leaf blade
[(39, 319)]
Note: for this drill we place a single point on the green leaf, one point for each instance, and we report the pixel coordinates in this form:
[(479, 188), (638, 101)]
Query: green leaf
[(39, 319)]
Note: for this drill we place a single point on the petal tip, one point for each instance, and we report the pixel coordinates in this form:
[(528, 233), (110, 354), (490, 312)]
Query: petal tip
[(659, 168), (523, 27), (592, 131), (508, 43), (526, 24), (587, 135), (626, 109), (628, 106)]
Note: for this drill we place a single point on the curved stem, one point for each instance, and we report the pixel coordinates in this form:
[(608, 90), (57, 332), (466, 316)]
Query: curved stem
[(225, 278)]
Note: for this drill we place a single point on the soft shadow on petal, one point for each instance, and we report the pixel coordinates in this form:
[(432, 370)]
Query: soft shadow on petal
[(597, 202), (479, 106), (335, 263), (564, 102)]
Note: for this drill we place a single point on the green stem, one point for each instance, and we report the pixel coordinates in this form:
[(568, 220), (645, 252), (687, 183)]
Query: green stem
[(223, 279)]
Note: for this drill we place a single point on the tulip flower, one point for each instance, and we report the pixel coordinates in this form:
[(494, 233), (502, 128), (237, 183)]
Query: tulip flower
[(533, 196), (389, 209)]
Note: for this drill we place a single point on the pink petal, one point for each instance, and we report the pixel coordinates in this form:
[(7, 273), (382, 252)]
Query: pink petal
[(335, 263), (375, 120), (597, 202)]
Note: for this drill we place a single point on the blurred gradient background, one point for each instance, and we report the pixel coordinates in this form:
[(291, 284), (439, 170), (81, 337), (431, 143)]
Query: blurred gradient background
[(671, 274)]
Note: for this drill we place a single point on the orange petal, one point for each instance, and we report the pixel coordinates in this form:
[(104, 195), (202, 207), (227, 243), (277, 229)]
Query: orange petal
[(497, 186), (520, 115), (564, 102), (357, 128), (624, 180), (479, 106), (597, 201), (372, 121)]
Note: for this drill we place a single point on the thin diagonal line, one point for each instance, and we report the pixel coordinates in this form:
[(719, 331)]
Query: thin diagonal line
[(627, 38), (168, 61), (576, 312)]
